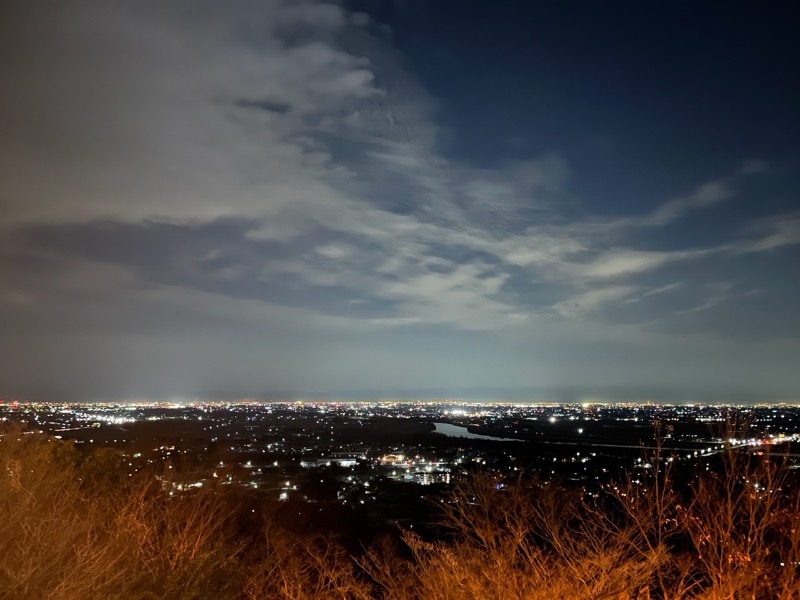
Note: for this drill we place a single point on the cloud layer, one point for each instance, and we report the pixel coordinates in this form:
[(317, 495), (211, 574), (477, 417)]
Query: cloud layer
[(244, 197)]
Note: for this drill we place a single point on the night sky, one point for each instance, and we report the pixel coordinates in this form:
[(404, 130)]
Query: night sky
[(497, 200)]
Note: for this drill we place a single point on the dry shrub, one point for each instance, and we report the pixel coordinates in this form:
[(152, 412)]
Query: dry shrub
[(75, 526), (51, 533), (744, 527), (729, 532), (529, 539), (726, 535), (297, 568)]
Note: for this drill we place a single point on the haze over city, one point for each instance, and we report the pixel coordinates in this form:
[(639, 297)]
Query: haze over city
[(227, 200)]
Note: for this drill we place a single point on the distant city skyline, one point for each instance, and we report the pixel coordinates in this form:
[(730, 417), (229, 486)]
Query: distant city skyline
[(368, 199)]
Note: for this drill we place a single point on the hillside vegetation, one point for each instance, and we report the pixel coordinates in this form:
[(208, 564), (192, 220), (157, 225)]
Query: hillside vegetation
[(73, 525)]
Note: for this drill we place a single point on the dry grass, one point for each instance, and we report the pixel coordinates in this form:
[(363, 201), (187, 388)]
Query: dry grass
[(77, 527)]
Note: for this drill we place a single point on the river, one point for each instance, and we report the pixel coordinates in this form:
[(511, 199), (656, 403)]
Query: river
[(458, 431)]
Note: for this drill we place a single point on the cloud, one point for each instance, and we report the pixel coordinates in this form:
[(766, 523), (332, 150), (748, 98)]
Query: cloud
[(663, 289), (706, 195), (593, 300), (751, 167), (273, 122), (773, 233), (274, 171), (716, 293), (333, 251), (137, 112), (469, 297), (624, 262)]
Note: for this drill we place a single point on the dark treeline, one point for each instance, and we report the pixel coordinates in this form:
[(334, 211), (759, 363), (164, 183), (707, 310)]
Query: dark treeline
[(74, 525)]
